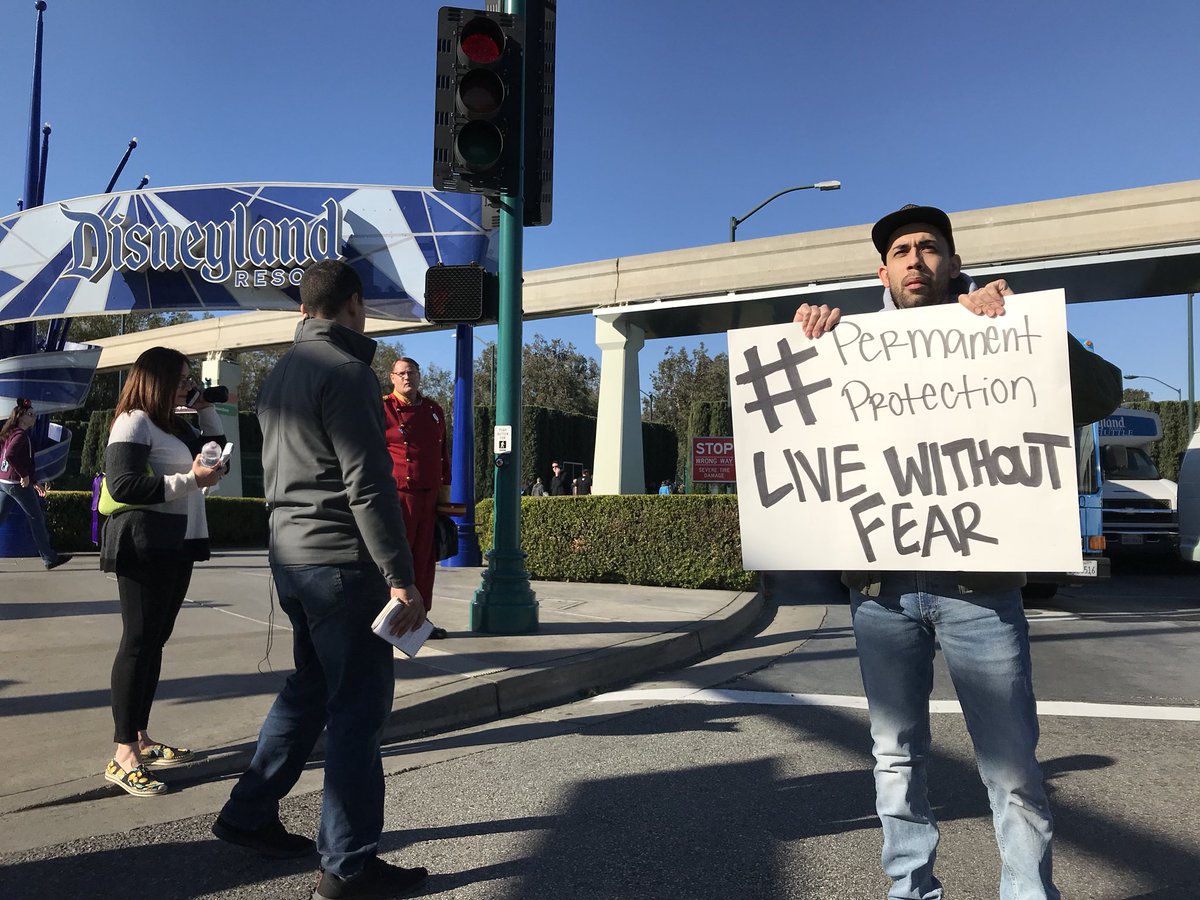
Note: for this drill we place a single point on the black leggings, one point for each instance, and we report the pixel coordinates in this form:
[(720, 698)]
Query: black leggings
[(151, 595)]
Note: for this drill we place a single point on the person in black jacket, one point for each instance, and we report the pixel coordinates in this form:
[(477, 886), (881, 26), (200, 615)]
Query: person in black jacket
[(560, 481), (977, 617)]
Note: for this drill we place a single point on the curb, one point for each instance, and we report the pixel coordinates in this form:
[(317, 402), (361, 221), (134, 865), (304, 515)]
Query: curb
[(478, 700)]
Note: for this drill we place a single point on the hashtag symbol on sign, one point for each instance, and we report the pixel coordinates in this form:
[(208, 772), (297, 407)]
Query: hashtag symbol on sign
[(765, 402)]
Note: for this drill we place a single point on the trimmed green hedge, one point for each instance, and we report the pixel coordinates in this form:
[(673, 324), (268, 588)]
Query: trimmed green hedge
[(237, 521), (232, 521), (690, 541), (69, 520)]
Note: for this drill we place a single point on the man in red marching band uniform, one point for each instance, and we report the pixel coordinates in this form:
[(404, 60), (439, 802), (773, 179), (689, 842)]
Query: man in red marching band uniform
[(416, 438)]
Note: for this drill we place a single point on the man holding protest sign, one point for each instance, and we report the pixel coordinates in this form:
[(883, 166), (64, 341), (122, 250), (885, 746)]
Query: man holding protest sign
[(977, 617)]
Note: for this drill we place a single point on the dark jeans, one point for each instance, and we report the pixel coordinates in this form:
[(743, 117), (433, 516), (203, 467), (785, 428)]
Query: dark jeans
[(343, 681), (30, 503), (151, 595)]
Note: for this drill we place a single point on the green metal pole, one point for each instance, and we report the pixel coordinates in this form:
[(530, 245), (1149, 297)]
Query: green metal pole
[(505, 603)]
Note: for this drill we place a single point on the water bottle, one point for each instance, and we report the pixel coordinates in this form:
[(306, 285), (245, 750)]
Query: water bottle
[(210, 454)]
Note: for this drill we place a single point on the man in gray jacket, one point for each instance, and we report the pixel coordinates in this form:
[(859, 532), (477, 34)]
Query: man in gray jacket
[(337, 551), (977, 617)]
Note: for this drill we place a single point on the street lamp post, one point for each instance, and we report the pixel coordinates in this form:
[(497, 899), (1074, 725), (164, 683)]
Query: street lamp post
[(649, 397), (1178, 392), (735, 221)]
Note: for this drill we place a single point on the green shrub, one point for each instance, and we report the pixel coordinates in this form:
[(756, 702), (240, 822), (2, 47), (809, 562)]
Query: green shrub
[(94, 443), (232, 521), (237, 521), (69, 520), (690, 541)]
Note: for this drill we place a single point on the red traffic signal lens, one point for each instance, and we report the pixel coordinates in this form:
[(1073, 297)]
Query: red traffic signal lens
[(480, 93), (481, 41), (479, 145)]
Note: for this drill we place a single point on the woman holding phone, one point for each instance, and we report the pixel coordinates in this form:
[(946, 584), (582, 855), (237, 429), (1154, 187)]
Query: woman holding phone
[(152, 463)]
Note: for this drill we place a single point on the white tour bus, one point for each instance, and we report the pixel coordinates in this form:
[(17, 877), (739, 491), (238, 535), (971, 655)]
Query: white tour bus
[(1140, 511)]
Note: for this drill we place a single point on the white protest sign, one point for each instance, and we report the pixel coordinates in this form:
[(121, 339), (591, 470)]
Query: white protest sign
[(918, 439)]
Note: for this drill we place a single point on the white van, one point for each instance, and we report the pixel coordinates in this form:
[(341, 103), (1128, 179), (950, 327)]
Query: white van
[(1139, 505), (1189, 502)]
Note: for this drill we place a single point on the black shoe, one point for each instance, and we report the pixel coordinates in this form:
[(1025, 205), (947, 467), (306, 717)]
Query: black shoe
[(62, 558), (271, 840), (438, 634), (377, 881)]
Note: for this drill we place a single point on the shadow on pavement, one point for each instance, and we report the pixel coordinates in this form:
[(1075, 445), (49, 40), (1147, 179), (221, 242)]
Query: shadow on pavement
[(689, 829), (12, 612)]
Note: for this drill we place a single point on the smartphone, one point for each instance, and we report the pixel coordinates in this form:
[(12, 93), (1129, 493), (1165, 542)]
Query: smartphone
[(226, 452)]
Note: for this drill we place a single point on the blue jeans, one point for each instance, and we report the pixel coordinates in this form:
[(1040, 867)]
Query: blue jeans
[(985, 640), (343, 681), (31, 504)]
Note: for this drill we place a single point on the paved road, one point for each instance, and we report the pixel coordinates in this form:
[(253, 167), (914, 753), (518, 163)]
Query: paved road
[(628, 796)]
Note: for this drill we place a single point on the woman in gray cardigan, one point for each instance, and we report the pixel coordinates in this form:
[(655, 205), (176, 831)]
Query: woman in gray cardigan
[(152, 463)]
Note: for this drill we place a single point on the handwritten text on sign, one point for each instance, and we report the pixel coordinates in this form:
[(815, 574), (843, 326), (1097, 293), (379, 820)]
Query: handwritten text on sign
[(920, 439)]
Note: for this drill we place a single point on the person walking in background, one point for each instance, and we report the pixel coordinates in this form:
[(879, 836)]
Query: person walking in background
[(583, 484), (18, 485), (337, 552), (538, 489), (415, 428), (664, 489), (152, 460), (560, 481)]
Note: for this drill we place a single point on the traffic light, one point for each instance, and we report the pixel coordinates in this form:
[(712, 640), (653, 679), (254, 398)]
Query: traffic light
[(540, 39), (477, 107), (460, 294)]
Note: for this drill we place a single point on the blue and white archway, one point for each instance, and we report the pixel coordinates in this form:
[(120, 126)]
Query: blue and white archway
[(233, 246), (212, 248)]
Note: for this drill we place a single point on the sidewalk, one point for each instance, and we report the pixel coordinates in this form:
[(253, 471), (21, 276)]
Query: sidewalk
[(61, 629)]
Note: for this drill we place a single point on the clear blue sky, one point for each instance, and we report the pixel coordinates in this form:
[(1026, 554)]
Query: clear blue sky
[(670, 116)]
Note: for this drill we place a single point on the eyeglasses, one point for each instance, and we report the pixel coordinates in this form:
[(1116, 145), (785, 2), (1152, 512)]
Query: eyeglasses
[(187, 381), (407, 374)]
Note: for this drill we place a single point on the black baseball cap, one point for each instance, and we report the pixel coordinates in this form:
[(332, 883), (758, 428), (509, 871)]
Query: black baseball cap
[(882, 233)]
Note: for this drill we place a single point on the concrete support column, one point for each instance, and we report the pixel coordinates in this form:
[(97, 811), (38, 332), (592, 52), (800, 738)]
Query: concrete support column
[(618, 465), (214, 371)]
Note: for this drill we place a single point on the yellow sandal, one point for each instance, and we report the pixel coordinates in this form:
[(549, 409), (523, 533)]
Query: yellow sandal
[(162, 756), (137, 782)]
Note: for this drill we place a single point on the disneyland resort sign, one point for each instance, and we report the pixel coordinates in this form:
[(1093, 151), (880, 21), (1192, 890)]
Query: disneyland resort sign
[(218, 247), (251, 253)]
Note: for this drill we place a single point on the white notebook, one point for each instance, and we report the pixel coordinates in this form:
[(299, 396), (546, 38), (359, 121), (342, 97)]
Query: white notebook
[(409, 642)]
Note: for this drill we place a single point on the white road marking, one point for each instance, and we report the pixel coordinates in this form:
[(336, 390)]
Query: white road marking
[(847, 701), (206, 605), (1056, 616)]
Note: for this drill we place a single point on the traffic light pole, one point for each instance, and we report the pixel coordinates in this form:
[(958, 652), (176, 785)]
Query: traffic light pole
[(505, 603)]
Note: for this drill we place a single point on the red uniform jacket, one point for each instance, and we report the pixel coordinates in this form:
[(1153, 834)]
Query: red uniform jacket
[(416, 438)]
